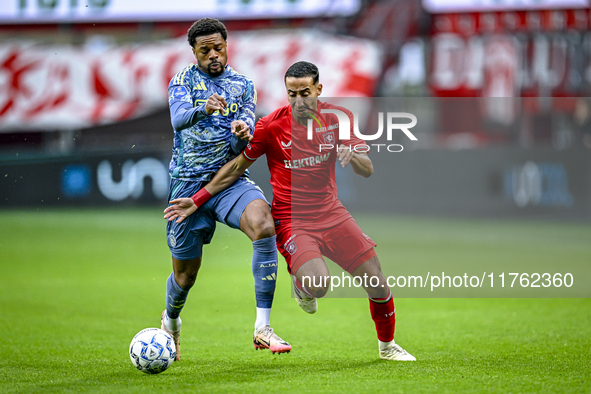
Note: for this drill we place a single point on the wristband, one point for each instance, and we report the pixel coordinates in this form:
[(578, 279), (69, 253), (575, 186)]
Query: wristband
[(201, 197)]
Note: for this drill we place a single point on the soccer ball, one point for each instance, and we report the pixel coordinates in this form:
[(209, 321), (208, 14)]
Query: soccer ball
[(152, 350)]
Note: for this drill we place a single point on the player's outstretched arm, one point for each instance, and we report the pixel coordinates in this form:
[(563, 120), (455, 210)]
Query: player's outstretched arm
[(360, 161), (182, 208), (228, 174), (362, 164)]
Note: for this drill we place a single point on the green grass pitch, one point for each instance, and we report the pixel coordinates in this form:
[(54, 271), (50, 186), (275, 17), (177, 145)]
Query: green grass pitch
[(77, 285)]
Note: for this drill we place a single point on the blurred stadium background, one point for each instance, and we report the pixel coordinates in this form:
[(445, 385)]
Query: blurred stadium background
[(501, 90)]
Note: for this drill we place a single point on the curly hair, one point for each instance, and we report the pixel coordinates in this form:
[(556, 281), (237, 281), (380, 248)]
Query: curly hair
[(206, 27)]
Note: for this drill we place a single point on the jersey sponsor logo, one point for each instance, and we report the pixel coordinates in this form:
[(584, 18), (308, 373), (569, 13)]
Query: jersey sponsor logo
[(232, 108), (286, 146), (200, 86), (236, 90), (328, 128), (306, 162), (328, 138), (179, 92)]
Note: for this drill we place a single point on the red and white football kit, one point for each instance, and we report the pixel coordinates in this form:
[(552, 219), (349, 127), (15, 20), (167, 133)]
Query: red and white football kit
[(310, 220)]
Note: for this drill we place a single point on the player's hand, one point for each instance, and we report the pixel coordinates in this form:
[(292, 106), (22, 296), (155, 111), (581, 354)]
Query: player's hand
[(344, 154), (180, 209), (241, 130), (215, 102)]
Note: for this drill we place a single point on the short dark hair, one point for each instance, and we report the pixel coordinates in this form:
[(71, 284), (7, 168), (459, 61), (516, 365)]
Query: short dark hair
[(206, 27), (302, 70)]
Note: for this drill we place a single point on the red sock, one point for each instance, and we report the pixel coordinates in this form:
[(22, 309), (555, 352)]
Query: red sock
[(384, 316)]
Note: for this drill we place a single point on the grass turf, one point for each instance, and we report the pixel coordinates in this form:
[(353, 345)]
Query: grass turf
[(76, 285)]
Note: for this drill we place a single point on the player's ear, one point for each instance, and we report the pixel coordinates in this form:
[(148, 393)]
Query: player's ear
[(319, 88)]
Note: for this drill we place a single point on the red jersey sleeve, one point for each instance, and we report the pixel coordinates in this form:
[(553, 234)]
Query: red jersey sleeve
[(258, 146), (354, 140)]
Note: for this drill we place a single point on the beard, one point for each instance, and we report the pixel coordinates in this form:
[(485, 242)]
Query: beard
[(215, 73)]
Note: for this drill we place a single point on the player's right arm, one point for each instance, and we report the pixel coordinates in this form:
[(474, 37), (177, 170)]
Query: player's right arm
[(182, 208), (182, 112), (228, 174), (184, 115)]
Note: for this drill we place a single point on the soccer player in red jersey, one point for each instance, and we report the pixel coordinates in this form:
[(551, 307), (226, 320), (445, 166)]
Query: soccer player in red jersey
[(310, 220)]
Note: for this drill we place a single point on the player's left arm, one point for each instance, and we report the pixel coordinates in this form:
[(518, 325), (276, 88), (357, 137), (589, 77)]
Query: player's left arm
[(241, 136), (243, 126), (360, 161)]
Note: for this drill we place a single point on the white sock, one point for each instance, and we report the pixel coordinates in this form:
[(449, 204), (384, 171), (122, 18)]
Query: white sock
[(384, 345), (263, 318), (172, 324)]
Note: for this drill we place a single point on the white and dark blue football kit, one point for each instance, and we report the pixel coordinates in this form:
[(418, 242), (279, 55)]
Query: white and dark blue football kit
[(202, 145)]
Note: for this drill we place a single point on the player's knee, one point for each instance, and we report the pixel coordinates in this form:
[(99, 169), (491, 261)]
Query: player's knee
[(258, 222), (265, 231), (186, 279), (263, 226)]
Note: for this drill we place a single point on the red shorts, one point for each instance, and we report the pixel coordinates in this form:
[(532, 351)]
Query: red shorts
[(345, 244)]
